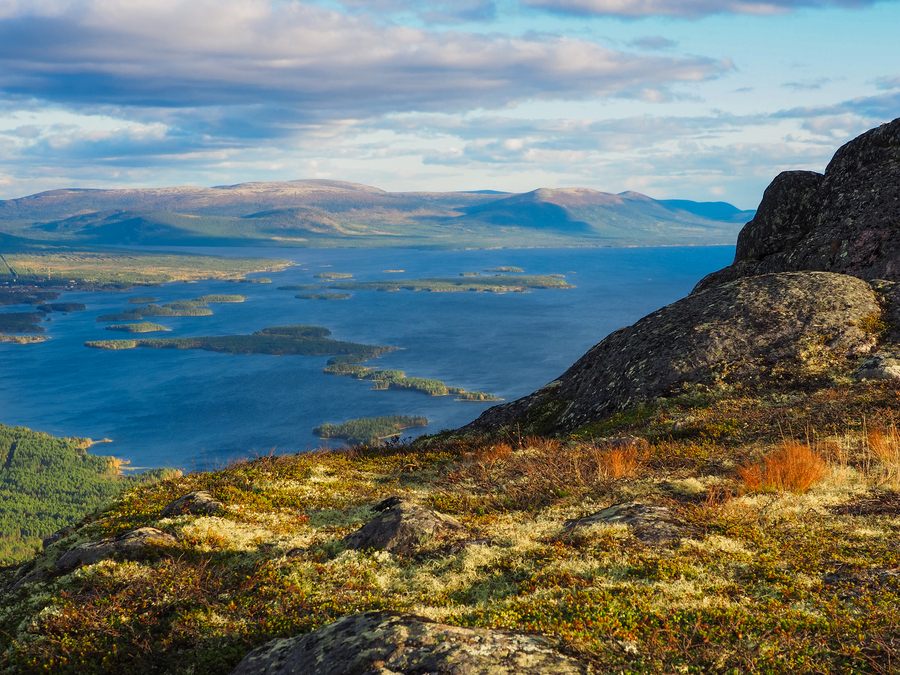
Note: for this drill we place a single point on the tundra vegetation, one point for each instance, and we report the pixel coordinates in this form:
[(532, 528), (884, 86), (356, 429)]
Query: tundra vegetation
[(370, 430), (784, 498)]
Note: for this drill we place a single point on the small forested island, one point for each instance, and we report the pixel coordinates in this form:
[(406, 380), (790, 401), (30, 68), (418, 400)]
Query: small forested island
[(142, 300), (506, 268), (277, 341), (254, 280), (302, 287), (495, 284), (470, 274), (221, 299), (22, 339), (396, 379), (47, 483), (369, 430), (140, 327), (62, 307), (21, 322), (195, 307), (322, 296)]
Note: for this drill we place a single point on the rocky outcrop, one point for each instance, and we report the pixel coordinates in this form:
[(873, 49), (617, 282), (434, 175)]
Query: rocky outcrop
[(199, 503), (404, 528), (391, 643), (844, 221), (879, 366), (651, 524), (130, 543), (744, 328)]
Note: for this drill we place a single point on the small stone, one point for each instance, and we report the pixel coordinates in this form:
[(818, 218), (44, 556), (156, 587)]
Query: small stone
[(196, 503), (403, 528), (393, 643), (651, 524)]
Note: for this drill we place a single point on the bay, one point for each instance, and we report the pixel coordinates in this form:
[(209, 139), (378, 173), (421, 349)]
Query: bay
[(197, 410)]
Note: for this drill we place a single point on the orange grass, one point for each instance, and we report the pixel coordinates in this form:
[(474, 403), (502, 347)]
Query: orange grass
[(885, 446), (792, 467)]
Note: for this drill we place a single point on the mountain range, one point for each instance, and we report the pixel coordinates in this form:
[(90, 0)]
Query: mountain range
[(327, 213)]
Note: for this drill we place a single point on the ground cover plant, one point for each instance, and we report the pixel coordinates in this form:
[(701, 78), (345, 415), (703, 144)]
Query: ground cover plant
[(765, 575)]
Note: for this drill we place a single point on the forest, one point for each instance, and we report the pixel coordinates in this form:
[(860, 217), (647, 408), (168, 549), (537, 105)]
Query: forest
[(47, 483)]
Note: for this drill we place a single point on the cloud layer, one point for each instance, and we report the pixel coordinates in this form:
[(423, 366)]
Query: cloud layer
[(686, 9)]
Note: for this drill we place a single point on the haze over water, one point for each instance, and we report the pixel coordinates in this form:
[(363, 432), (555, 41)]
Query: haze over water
[(193, 409)]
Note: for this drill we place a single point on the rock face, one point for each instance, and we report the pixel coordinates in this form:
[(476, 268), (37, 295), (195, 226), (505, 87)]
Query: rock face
[(403, 528), (844, 221), (739, 329), (879, 366), (391, 643)]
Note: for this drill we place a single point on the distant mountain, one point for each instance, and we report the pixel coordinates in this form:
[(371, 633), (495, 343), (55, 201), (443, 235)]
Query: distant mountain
[(335, 213)]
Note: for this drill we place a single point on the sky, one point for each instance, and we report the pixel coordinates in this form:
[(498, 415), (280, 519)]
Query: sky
[(678, 99)]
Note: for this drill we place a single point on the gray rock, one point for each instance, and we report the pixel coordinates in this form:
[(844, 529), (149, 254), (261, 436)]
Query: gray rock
[(197, 503), (404, 528), (878, 366), (392, 643), (740, 329), (130, 543), (843, 221), (651, 524)]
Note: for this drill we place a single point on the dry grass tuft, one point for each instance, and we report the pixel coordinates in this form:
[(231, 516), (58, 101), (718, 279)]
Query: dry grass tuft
[(885, 446), (792, 467)]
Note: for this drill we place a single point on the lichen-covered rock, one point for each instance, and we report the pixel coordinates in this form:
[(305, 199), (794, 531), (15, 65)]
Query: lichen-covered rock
[(740, 329), (392, 643), (404, 528), (130, 543), (843, 221), (196, 503), (878, 366), (651, 524)]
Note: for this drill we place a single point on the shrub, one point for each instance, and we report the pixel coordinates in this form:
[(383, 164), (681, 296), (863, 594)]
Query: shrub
[(792, 467), (886, 448)]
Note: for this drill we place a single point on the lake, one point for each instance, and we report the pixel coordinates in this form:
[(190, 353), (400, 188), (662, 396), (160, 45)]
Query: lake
[(192, 409)]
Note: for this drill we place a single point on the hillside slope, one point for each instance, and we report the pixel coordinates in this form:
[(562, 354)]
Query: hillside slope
[(334, 213)]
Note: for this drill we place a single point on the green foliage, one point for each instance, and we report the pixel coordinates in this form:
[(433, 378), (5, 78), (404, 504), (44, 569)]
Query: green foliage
[(475, 396), (254, 280), (182, 308), (62, 307), (12, 296), (322, 296), (141, 327), (506, 268), (298, 331), (369, 430), (332, 275), (140, 301), (300, 287), (20, 322)]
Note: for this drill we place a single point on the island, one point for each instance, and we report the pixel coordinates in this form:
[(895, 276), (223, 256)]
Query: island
[(141, 300), (277, 341), (495, 284), (323, 296), (332, 275), (505, 268), (301, 287), (141, 327), (369, 430), (195, 307)]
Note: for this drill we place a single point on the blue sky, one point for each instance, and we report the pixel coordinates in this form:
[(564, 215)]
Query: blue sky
[(691, 99)]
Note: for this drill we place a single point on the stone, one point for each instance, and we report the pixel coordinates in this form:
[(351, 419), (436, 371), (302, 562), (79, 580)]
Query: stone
[(844, 221), (394, 643), (878, 366), (195, 503), (404, 528), (651, 524), (129, 544), (739, 330)]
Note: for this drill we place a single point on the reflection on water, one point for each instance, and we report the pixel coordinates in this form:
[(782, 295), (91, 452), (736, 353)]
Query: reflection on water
[(194, 409)]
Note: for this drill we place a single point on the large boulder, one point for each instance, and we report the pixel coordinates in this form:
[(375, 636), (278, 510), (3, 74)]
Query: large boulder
[(843, 221), (740, 329), (392, 643), (131, 543), (405, 528)]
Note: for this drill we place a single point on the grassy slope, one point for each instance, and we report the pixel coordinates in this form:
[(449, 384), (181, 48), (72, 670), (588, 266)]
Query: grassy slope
[(762, 580)]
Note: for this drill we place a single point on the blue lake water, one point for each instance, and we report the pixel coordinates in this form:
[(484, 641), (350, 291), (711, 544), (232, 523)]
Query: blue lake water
[(194, 409)]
